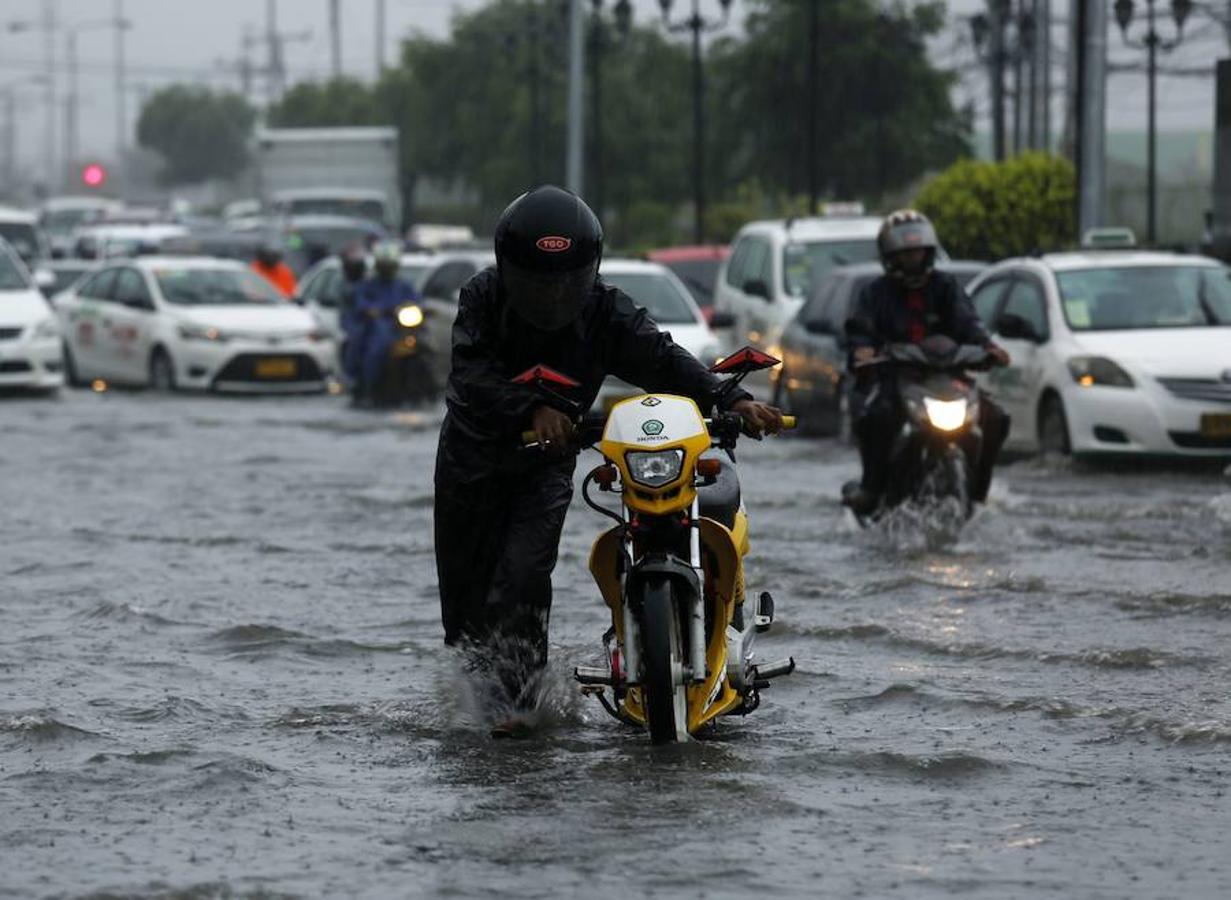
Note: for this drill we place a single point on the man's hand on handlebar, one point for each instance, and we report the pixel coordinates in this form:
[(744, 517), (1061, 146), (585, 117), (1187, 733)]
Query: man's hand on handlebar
[(999, 354), (759, 418), (551, 427)]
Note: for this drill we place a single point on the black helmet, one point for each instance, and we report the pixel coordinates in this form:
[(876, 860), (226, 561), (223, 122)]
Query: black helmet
[(907, 229), (354, 263), (269, 253), (548, 247)]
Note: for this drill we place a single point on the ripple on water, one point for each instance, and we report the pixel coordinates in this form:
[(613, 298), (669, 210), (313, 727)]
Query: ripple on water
[(927, 767), (259, 640), (39, 726)]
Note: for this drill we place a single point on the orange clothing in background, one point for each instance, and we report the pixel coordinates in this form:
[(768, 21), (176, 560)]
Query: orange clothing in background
[(280, 276)]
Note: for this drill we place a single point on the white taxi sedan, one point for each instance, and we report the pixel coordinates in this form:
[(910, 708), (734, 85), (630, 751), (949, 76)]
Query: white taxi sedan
[(30, 354), (1114, 352), (192, 322)]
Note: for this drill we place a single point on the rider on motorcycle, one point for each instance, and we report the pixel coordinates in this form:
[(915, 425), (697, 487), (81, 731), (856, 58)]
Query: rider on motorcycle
[(905, 305), (500, 509), (376, 303), (354, 266)]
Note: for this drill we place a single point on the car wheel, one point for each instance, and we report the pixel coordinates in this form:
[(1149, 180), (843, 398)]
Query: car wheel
[(162, 372), (71, 376), (1053, 428)]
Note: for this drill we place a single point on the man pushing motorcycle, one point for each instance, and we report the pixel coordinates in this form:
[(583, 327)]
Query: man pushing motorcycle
[(499, 508), (907, 304)]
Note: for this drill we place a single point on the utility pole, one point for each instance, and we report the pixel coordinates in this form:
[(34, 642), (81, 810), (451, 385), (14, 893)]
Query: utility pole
[(1019, 104), (273, 68), (996, 60), (335, 36), (49, 48), (380, 37), (1091, 112), (70, 104), (10, 138), (575, 134), (814, 8), (1042, 74), (121, 111)]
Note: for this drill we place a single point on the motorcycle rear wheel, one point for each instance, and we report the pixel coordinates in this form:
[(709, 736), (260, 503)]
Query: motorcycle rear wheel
[(666, 698)]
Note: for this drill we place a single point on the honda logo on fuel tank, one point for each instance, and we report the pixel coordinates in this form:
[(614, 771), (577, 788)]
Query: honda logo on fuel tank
[(553, 244)]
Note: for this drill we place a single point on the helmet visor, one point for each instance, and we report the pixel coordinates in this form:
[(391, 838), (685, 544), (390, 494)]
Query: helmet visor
[(547, 300)]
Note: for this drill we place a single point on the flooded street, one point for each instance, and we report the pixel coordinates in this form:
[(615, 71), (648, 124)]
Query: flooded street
[(221, 674)]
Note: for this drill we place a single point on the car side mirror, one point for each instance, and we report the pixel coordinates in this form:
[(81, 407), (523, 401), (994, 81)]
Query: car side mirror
[(1015, 327), (137, 303), (756, 288), (44, 278), (722, 320)]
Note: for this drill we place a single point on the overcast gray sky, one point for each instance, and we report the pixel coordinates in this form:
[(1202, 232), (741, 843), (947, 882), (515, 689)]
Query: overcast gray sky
[(200, 41)]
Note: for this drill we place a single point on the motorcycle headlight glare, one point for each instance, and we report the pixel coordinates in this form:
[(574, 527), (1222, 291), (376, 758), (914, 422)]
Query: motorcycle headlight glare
[(1089, 371), (947, 415), (410, 316), (654, 468)]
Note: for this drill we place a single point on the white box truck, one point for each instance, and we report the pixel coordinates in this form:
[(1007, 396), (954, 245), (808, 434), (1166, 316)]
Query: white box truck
[(330, 171)]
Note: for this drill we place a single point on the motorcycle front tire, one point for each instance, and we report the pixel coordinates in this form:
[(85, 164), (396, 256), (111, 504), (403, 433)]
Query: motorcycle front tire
[(666, 699)]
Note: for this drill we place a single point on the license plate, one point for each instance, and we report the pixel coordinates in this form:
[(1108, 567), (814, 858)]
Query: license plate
[(1216, 425), (276, 367)]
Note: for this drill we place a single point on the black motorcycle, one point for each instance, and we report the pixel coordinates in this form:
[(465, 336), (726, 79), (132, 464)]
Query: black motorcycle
[(934, 454)]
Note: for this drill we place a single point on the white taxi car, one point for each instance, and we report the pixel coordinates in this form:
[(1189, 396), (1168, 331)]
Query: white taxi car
[(658, 291), (30, 355), (1114, 352), (774, 264), (190, 322)]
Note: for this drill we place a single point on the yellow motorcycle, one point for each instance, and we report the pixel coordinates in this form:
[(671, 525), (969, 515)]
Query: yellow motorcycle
[(680, 649)]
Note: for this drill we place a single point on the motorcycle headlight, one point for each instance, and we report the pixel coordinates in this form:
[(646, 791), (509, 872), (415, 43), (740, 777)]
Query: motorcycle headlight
[(201, 333), (654, 468), (1089, 371), (947, 415), (47, 328), (410, 316)]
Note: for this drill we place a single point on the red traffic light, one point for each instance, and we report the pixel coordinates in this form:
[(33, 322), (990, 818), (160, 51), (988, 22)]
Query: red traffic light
[(93, 175)]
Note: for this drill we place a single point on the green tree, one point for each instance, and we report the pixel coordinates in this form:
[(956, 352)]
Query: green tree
[(985, 210), (884, 112), (198, 133), (339, 101)]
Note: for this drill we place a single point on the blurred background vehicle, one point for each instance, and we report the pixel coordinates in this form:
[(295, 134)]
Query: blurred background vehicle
[(106, 240), (696, 266), (428, 236), (1114, 352), (812, 380), (60, 216), (774, 264), (190, 322), (20, 228), (64, 274), (345, 171), (30, 349), (658, 291), (310, 238)]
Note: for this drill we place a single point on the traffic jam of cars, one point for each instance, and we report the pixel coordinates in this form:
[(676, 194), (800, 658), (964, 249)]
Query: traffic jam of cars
[(1114, 350)]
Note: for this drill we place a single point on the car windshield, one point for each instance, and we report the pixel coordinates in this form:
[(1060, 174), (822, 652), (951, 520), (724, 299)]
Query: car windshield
[(214, 287), (660, 297), (804, 265), (66, 278), (1146, 297), (372, 210), (699, 276), (21, 236), (413, 274), (62, 221), (12, 278)]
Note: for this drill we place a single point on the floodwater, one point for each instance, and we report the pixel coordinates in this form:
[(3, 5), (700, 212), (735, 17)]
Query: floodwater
[(221, 675)]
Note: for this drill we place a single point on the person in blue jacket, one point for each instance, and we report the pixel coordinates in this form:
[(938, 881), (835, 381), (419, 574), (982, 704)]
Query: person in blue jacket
[(375, 316)]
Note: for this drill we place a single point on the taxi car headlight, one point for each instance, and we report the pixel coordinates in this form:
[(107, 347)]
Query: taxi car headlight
[(47, 328), (654, 468), (410, 316), (947, 415), (1089, 371), (201, 333)]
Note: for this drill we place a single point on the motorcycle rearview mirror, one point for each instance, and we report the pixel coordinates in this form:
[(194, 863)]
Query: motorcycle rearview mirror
[(548, 383), (743, 361), (1015, 327)]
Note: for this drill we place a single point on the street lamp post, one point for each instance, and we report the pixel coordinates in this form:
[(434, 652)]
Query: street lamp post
[(988, 30), (1153, 43), (698, 26), (598, 42), (71, 128)]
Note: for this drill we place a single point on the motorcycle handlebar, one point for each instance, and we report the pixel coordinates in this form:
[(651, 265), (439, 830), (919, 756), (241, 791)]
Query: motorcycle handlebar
[(530, 437)]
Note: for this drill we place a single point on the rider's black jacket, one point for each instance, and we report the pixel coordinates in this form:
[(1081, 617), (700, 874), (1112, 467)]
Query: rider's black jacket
[(487, 412), (882, 310)]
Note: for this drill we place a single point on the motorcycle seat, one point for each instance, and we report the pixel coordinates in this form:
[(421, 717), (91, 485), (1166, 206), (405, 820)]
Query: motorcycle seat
[(720, 501)]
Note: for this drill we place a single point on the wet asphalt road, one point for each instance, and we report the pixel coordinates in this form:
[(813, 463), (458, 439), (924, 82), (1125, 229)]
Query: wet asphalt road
[(220, 675)]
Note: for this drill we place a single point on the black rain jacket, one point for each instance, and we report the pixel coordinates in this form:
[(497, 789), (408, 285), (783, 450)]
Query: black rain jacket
[(881, 308), (487, 412)]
